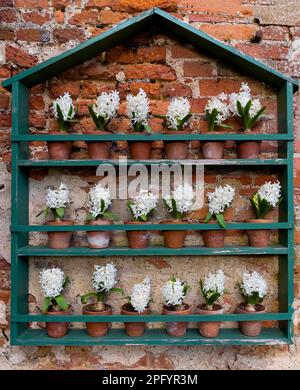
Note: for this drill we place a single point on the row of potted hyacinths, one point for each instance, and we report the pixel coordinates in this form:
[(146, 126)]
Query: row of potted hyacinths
[(217, 111), (179, 204), (253, 288)]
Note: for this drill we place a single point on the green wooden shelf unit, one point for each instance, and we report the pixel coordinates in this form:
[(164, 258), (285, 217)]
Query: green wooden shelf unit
[(19, 85)]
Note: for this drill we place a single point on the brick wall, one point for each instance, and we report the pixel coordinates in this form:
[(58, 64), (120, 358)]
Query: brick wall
[(34, 30)]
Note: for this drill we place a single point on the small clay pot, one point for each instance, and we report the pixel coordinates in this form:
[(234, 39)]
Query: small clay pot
[(213, 149), (209, 329), (59, 240), (259, 237), (99, 150), (137, 238), (98, 239), (248, 149), (97, 329), (57, 329), (174, 238), (177, 329), (140, 150), (176, 150), (250, 328), (214, 238), (134, 329), (59, 150)]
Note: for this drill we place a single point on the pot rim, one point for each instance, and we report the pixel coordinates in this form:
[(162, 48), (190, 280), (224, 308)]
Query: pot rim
[(263, 310), (259, 220), (107, 311), (130, 312), (61, 222), (179, 312), (100, 222), (136, 223), (173, 221), (216, 311)]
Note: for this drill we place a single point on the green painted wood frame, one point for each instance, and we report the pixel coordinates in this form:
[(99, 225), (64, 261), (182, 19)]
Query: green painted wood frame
[(20, 252)]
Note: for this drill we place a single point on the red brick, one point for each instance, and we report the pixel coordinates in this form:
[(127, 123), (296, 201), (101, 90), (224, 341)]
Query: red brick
[(99, 3), (275, 33), (217, 6), (151, 54), (8, 15), (215, 86), (42, 4), (228, 32), (88, 89), (151, 89), (7, 34), (297, 172), (178, 51), (121, 55), (37, 102), (59, 16), (266, 51), (297, 236), (33, 35), (68, 34), (19, 57), (57, 89), (4, 101), (36, 18), (176, 89), (297, 146), (60, 4), (261, 179), (6, 3), (124, 55), (98, 71), (4, 295), (85, 17), (140, 5), (198, 105), (37, 120), (110, 17), (208, 18), (159, 107), (5, 119), (4, 71), (149, 71), (198, 69)]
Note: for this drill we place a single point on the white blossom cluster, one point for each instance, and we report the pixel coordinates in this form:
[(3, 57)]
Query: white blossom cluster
[(51, 281), (214, 282), (65, 103), (58, 198), (107, 105), (270, 192), (138, 108), (243, 97), (220, 199), (178, 109), (141, 295), (143, 203), (254, 283), (184, 197), (104, 277), (173, 292), (97, 194), (218, 103)]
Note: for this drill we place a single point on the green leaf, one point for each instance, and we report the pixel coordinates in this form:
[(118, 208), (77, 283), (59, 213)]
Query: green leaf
[(66, 282), (70, 112), (94, 117), (225, 126), (46, 304), (256, 117), (246, 110), (42, 212), (147, 128), (111, 216), (102, 205), (240, 108), (212, 297), (62, 303), (143, 218), (160, 116), (183, 120), (61, 121), (208, 217), (85, 298), (60, 211), (89, 218), (220, 219), (117, 290)]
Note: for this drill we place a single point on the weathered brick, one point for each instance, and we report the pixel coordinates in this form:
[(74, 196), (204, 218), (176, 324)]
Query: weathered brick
[(151, 89), (68, 34), (33, 35), (212, 87), (88, 89), (4, 101), (19, 57), (177, 89), (198, 69), (149, 71), (99, 3), (85, 17), (151, 54), (275, 33), (42, 4), (37, 102), (216, 6), (297, 172), (60, 4), (178, 51), (6, 3), (57, 89), (124, 55), (140, 5), (7, 34), (37, 120), (228, 32), (98, 71), (4, 71), (8, 15), (36, 17), (59, 16), (266, 51), (110, 17)]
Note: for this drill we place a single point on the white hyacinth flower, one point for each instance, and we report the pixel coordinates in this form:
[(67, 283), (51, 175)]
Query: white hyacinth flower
[(58, 198), (184, 197), (173, 292), (141, 295), (271, 192), (51, 281), (218, 103), (138, 108), (220, 199), (66, 106), (143, 203), (107, 105), (214, 282), (244, 96), (178, 109), (104, 277), (98, 195), (253, 282)]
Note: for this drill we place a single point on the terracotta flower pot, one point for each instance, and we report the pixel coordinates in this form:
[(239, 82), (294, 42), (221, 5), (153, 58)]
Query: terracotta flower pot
[(137, 238), (134, 329), (248, 149), (259, 237), (99, 150), (250, 328), (98, 239), (176, 150), (59, 240), (174, 238), (214, 238), (97, 329), (177, 329), (213, 149), (209, 329), (140, 150), (57, 329), (59, 150)]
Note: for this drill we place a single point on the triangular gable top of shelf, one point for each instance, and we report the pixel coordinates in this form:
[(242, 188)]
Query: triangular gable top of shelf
[(138, 24)]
